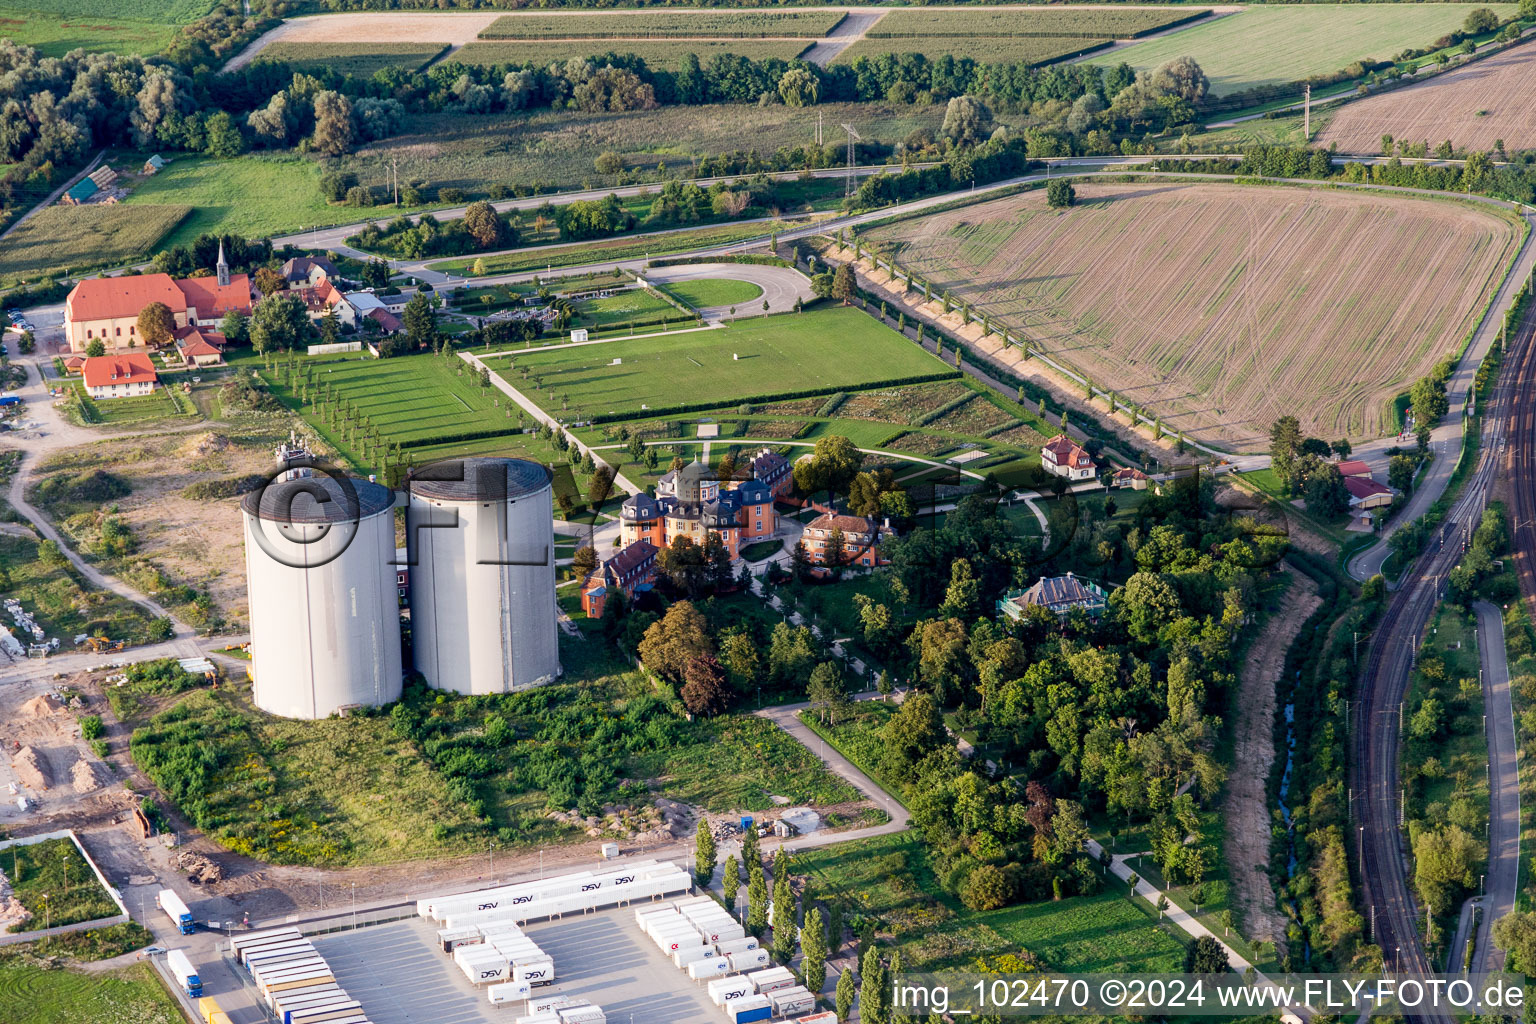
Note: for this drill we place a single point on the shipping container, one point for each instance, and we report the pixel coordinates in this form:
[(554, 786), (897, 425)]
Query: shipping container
[(772, 979), (487, 971), (439, 907), (280, 1002), (184, 972), (337, 1010), (268, 967), (276, 942), (452, 938), (508, 992), (745, 1011), (723, 990), (176, 910), (642, 913), (583, 1015), (720, 931), (308, 979), (552, 1005), (789, 1001), (740, 945), (207, 1006), (538, 1018), (749, 959), (239, 942), (686, 955), (535, 972), (709, 967), (826, 1017), (255, 958)]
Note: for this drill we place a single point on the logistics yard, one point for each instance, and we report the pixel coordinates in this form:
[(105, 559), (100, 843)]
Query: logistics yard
[(579, 515), (1273, 301)]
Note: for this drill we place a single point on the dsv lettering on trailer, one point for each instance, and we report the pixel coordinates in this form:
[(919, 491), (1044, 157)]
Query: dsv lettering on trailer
[(522, 899), (489, 906), (591, 885), (494, 973), (531, 975), (624, 881)]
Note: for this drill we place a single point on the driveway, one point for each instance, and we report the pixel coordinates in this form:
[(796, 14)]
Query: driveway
[(782, 287)]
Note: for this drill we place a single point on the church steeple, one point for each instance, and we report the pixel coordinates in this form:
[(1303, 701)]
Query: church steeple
[(222, 267)]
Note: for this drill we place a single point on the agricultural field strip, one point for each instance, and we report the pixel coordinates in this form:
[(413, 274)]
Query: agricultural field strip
[(664, 24), (361, 59), (1039, 23), (1272, 45), (1002, 49), (1338, 394), (656, 53), (1474, 106), (60, 238)]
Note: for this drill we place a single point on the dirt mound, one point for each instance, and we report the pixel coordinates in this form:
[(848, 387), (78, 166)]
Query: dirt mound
[(200, 868), (11, 910), (41, 706), (30, 769), (86, 776), (204, 444)]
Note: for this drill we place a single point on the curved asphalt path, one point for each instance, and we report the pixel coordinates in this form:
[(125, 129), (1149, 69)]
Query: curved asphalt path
[(781, 286)]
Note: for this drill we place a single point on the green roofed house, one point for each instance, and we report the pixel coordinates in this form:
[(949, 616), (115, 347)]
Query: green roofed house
[(80, 191), (1058, 595)]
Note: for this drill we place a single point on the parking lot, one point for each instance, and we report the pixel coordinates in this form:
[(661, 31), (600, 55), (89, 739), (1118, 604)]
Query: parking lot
[(401, 976)]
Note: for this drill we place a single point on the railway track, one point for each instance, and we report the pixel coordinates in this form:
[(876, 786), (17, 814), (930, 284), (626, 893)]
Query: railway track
[(1508, 441)]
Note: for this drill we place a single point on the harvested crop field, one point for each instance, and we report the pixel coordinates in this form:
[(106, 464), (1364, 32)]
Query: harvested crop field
[(1223, 307), (1494, 98), (657, 53), (994, 50), (443, 27), (361, 59), (1269, 45), (1080, 23), (643, 24)]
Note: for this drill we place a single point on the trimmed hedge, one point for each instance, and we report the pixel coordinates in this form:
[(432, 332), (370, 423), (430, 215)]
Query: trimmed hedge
[(781, 396), (945, 409), (740, 257), (832, 404)]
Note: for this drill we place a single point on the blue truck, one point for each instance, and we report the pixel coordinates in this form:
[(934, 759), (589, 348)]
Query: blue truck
[(176, 910)]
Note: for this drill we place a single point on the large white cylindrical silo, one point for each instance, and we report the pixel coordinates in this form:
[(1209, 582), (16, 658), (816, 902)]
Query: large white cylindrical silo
[(325, 612), (480, 533)]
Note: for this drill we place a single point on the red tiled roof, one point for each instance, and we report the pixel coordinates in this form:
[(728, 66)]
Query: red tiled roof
[(107, 298), (848, 524), (1067, 452), (193, 342), (385, 319), (1354, 467), (1129, 473), (213, 299), (1360, 487), (129, 368)]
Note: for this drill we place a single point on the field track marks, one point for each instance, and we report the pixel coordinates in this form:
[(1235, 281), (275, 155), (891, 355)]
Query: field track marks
[(848, 31), (451, 28)]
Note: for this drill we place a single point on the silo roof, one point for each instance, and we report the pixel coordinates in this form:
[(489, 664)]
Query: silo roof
[(295, 500), (480, 479)]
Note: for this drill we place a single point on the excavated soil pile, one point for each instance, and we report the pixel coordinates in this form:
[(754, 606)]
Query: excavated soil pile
[(30, 768), (11, 910), (41, 706), (200, 868), (86, 777)]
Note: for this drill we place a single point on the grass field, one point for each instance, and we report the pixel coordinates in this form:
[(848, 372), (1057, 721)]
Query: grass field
[(168, 11), (985, 50), (54, 35), (1270, 45), (643, 24), (657, 53), (713, 291), (1323, 304), (626, 307), (622, 248), (251, 196), (557, 148), (361, 59), (889, 879), (804, 351), (60, 603), (53, 873), (86, 238), (1097, 23), (31, 993), (410, 399), (1494, 98)]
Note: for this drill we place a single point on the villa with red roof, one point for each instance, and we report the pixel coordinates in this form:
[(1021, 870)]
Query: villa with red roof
[(629, 571), (107, 308), (861, 539), (120, 376), (1062, 457)]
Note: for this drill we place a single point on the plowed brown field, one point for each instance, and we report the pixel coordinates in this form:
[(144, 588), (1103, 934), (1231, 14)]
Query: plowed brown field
[(1472, 106), (1223, 307)]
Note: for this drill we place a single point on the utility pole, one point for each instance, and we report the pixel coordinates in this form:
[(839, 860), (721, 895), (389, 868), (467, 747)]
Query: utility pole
[(1306, 115), (818, 128), (852, 156), (394, 175)]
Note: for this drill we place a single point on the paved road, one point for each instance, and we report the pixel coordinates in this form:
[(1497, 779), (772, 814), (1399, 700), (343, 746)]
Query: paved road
[(1502, 885), (782, 287)]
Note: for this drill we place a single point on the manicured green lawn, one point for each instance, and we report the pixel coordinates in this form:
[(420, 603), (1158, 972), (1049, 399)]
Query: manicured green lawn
[(713, 291), (629, 306), (762, 549), (1270, 45), (821, 350), (889, 878)]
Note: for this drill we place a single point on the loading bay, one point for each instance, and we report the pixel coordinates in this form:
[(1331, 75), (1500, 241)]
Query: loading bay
[(401, 976)]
